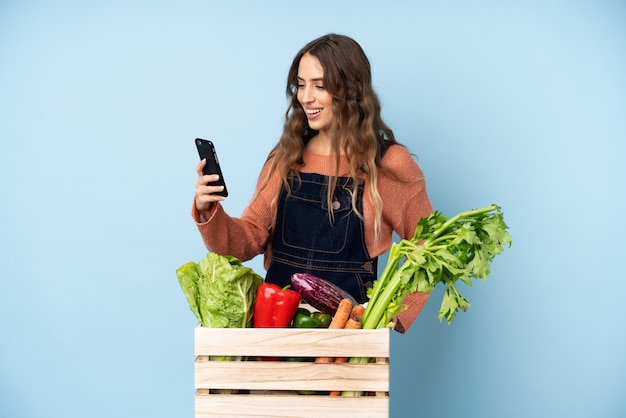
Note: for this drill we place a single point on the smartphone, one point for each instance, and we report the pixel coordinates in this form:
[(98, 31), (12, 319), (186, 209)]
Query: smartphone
[(206, 149)]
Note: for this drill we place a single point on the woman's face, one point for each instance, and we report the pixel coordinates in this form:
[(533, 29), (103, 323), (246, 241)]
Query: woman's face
[(315, 100)]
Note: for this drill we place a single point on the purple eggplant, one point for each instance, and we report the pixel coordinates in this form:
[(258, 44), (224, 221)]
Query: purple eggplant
[(319, 293)]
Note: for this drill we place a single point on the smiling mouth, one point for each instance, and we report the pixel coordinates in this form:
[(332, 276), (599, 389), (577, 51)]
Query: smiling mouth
[(313, 111)]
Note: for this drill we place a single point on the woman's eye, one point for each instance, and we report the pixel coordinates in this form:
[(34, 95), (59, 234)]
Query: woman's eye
[(300, 86)]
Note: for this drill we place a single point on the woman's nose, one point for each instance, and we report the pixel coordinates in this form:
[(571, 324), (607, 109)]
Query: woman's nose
[(307, 95)]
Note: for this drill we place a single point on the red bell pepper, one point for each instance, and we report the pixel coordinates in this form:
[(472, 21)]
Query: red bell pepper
[(275, 307)]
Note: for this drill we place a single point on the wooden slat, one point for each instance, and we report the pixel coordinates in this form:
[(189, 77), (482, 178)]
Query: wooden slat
[(293, 342), (291, 375), (282, 406)]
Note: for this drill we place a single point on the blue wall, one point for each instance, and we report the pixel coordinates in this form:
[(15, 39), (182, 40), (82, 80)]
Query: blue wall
[(517, 103)]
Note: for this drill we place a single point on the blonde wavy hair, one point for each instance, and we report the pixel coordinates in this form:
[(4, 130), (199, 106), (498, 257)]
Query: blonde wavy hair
[(359, 130)]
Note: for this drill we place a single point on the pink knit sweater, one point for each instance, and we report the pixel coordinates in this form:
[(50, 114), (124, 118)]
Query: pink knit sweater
[(404, 203)]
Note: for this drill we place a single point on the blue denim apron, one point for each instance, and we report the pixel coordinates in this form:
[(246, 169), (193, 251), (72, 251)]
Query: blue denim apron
[(306, 240)]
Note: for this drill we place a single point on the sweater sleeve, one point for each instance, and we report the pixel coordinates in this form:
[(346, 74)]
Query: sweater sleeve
[(404, 195), (244, 237), (405, 202)]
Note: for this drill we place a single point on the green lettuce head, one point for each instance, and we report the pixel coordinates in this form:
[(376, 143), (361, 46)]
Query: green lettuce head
[(220, 291)]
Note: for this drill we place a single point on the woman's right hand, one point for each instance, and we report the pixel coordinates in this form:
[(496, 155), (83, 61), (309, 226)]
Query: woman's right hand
[(206, 195)]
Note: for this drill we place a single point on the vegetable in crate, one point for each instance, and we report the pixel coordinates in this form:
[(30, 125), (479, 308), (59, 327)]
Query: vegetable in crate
[(275, 307), (220, 291), (324, 318), (319, 293), (307, 319), (459, 248)]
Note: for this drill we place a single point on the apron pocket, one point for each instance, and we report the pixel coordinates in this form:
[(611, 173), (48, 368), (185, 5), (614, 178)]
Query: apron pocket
[(309, 226)]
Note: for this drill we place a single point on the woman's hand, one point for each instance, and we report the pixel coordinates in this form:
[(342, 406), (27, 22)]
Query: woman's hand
[(205, 195)]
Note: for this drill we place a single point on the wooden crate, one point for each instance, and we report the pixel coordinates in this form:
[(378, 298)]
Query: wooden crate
[(268, 388)]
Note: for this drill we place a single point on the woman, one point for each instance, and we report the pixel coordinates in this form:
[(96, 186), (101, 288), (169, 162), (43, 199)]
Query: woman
[(334, 188)]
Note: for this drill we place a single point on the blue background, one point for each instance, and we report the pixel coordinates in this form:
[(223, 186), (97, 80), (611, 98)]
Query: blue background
[(518, 103)]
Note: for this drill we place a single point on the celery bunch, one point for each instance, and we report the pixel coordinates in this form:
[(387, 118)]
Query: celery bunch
[(441, 251)]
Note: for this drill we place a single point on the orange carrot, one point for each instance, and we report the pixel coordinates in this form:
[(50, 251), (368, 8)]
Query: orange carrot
[(350, 324), (357, 312), (341, 315), (339, 321), (353, 324)]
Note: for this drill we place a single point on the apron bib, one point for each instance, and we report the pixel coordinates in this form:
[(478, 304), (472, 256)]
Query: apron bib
[(307, 240)]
